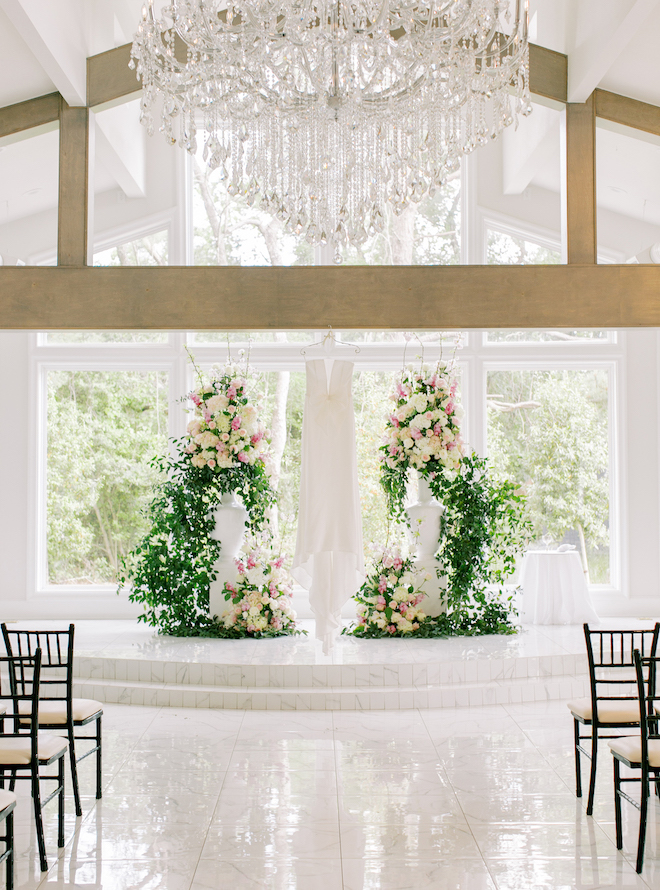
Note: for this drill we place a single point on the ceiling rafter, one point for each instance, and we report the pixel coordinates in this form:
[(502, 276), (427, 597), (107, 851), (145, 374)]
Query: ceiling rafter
[(591, 60), (54, 34)]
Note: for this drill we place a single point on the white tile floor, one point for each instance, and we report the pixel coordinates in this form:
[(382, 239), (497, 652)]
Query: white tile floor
[(442, 799)]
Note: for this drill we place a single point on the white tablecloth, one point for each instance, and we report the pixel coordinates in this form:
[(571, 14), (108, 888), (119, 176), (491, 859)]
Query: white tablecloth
[(555, 589)]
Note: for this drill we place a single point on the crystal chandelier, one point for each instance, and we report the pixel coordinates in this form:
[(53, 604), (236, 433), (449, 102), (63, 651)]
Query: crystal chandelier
[(324, 110)]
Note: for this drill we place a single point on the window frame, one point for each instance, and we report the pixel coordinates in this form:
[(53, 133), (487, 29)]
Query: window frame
[(473, 359)]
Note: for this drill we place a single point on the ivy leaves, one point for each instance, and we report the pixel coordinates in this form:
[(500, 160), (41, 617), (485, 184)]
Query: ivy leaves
[(172, 567), (485, 527)]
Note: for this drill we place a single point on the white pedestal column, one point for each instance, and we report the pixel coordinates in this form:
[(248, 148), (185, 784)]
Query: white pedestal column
[(425, 520), (230, 521)]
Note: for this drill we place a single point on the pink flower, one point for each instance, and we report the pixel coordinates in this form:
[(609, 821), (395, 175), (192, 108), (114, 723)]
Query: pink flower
[(416, 434), (195, 399), (397, 562), (251, 561), (382, 584), (450, 407), (394, 421), (236, 423), (211, 463), (231, 392), (381, 606), (254, 440), (242, 456), (240, 567), (391, 629), (279, 562)]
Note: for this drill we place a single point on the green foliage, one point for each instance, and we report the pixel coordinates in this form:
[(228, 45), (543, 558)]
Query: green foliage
[(485, 527), (548, 431), (171, 568), (103, 429)]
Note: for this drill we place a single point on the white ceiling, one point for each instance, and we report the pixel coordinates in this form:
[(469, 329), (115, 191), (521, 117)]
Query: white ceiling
[(611, 44)]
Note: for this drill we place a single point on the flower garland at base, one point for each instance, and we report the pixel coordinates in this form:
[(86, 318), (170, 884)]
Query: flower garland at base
[(261, 600), (388, 603)]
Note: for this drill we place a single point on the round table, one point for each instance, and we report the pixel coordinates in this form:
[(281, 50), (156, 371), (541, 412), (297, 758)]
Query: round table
[(554, 589)]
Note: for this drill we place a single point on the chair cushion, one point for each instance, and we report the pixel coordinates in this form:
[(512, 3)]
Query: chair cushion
[(16, 752), (608, 711), (630, 748), (54, 712), (7, 798)]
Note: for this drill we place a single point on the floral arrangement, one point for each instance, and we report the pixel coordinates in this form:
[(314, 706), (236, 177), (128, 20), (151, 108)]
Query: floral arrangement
[(227, 443), (422, 431), (225, 449), (388, 603), (484, 524), (261, 599), (226, 430)]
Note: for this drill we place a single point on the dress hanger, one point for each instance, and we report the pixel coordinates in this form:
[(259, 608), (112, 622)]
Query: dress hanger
[(329, 342)]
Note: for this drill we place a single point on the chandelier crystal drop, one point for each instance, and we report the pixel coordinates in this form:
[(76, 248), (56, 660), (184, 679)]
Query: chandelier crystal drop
[(325, 110)]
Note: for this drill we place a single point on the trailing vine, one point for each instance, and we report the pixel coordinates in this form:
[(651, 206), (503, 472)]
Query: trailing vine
[(171, 568), (484, 528)]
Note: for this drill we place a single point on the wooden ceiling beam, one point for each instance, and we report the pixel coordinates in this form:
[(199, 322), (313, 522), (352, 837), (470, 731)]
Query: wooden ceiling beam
[(548, 73), (580, 198), (628, 112), (73, 203), (109, 78), (348, 297), (30, 114)]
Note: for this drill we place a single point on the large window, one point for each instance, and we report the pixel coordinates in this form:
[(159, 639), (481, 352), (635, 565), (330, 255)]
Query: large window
[(103, 429), (541, 404), (548, 430)]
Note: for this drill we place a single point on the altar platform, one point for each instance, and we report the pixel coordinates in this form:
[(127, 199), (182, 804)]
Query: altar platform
[(125, 662)]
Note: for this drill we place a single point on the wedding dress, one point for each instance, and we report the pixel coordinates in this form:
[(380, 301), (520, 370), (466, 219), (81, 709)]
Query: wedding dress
[(329, 560)]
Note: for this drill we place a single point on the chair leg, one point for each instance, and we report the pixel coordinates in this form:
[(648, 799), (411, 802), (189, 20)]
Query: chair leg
[(74, 769), (592, 775), (60, 802), (10, 848), (99, 779), (617, 803), (39, 822), (578, 770), (642, 821)]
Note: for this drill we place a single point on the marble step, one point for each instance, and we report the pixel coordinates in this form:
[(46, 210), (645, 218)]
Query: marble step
[(329, 698), (293, 677)]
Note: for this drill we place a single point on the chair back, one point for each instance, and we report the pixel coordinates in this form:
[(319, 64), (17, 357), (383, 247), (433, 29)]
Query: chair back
[(612, 667), (19, 696), (646, 669), (56, 646)]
